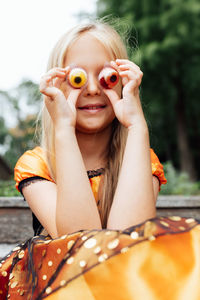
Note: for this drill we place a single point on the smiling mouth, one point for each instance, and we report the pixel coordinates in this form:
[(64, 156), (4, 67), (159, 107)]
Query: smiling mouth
[(92, 107)]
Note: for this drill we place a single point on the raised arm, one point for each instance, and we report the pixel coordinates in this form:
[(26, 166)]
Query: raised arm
[(136, 193), (137, 189), (76, 206), (69, 205)]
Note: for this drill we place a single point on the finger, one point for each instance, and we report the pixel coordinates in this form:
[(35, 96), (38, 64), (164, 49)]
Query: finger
[(58, 81), (44, 83), (113, 65), (50, 92), (112, 96), (67, 70), (56, 73), (125, 80), (73, 97), (129, 67), (47, 79), (127, 62), (129, 74), (57, 69), (137, 77), (52, 74), (124, 67)]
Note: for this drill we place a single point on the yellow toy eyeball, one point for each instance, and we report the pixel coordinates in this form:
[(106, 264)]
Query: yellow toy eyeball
[(77, 78), (108, 77)]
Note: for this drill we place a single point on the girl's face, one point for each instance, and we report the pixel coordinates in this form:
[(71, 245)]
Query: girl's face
[(88, 53)]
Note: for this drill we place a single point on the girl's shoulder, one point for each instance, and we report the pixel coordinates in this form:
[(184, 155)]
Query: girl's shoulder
[(31, 164)]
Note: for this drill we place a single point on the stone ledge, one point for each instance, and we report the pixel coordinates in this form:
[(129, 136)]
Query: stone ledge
[(170, 201), (163, 201), (16, 216), (13, 202)]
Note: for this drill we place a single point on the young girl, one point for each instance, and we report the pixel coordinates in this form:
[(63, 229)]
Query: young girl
[(90, 128), (92, 179)]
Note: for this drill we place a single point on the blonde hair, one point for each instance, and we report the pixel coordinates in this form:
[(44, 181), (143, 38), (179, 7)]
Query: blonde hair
[(115, 46)]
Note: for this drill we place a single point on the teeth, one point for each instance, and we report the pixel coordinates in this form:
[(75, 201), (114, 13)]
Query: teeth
[(93, 107)]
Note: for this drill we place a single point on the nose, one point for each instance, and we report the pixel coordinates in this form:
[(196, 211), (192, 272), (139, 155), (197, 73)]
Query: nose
[(93, 87)]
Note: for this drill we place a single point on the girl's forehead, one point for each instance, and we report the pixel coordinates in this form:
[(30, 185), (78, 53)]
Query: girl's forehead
[(87, 50)]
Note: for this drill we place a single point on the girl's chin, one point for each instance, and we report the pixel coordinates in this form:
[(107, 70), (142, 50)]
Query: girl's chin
[(88, 130), (92, 128)]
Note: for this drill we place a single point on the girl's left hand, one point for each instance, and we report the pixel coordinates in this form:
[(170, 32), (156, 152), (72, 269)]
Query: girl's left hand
[(128, 110)]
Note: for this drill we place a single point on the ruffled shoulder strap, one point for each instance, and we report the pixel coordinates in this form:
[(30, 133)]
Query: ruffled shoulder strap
[(31, 164), (157, 168)]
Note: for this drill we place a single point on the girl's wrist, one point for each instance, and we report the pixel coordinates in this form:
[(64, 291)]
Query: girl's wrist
[(138, 130), (61, 130), (138, 123), (63, 124)]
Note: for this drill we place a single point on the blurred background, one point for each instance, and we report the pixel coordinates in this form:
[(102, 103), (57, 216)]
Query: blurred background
[(163, 38)]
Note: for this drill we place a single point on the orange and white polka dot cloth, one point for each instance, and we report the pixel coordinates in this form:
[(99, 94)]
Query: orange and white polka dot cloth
[(157, 260)]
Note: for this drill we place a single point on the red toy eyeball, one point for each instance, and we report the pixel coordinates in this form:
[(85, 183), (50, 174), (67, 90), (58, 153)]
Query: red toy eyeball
[(77, 78), (108, 77)]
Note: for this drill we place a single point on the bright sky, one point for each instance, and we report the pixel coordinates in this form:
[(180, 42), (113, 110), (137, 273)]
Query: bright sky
[(28, 31)]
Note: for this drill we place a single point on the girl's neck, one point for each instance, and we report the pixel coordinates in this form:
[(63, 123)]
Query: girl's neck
[(94, 148)]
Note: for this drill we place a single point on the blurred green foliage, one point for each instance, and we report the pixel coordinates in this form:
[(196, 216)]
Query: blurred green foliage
[(178, 183), (164, 40), (7, 188), (24, 103)]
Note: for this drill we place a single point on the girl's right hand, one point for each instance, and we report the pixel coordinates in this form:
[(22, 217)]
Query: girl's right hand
[(60, 98)]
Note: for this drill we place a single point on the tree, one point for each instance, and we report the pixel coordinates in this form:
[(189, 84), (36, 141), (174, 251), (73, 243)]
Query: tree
[(3, 131), (169, 38), (21, 106)]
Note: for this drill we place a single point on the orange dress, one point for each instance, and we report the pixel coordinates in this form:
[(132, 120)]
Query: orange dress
[(156, 260)]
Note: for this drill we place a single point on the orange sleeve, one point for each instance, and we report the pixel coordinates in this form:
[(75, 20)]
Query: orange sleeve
[(32, 163), (157, 168)]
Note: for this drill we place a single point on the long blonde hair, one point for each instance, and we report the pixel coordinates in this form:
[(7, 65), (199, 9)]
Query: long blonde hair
[(115, 46)]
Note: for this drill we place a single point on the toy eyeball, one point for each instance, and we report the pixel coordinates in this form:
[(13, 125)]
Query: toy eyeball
[(77, 78), (108, 78)]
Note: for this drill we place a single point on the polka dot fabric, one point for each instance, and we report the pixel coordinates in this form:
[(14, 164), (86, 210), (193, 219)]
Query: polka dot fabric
[(159, 259)]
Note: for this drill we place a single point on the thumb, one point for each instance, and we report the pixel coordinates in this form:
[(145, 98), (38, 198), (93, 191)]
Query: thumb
[(112, 96), (73, 97)]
